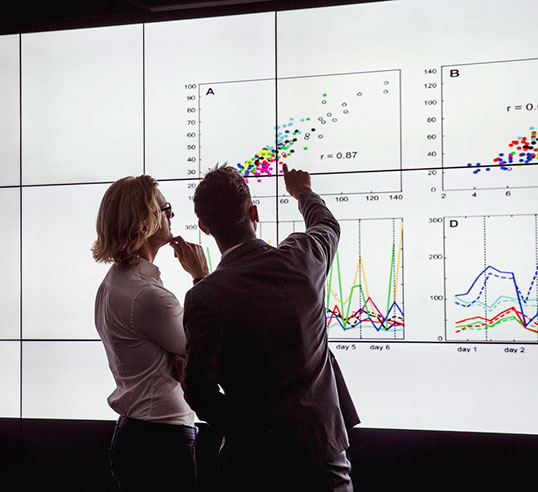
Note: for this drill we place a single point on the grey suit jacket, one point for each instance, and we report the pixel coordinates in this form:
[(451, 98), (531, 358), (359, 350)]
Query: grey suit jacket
[(256, 328)]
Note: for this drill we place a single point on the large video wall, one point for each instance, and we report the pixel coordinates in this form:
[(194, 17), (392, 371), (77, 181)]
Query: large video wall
[(417, 120)]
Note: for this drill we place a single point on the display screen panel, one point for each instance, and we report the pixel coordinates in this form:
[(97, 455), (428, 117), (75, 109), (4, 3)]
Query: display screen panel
[(10, 269), (9, 103)]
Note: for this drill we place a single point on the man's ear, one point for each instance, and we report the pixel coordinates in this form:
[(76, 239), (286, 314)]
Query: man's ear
[(202, 226), (253, 211)]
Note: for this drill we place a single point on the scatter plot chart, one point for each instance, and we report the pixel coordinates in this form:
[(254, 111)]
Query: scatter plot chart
[(365, 298), (490, 123), (491, 278), (325, 124)]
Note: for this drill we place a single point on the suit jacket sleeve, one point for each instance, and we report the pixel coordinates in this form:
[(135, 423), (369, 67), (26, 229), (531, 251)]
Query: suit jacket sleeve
[(200, 376), (324, 228), (321, 225)]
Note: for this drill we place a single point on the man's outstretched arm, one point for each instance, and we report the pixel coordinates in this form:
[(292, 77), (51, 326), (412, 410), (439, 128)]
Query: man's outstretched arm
[(319, 220)]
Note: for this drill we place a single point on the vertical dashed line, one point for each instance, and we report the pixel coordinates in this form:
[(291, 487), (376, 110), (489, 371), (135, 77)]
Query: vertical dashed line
[(536, 258), (393, 279), (485, 281), (401, 273), (360, 276)]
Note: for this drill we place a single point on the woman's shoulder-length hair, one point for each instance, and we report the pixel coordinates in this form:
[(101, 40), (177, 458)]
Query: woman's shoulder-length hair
[(129, 213)]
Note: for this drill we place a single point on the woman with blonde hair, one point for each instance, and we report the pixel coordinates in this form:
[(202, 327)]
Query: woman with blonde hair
[(140, 323)]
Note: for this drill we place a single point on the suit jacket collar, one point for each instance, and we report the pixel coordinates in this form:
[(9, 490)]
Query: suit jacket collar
[(242, 250)]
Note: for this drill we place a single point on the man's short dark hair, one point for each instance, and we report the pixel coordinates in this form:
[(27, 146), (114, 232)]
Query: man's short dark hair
[(222, 201)]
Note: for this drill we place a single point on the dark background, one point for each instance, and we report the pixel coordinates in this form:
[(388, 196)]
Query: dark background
[(19, 16), (70, 455)]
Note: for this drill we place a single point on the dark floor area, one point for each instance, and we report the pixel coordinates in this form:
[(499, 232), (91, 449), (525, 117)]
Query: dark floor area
[(54, 455)]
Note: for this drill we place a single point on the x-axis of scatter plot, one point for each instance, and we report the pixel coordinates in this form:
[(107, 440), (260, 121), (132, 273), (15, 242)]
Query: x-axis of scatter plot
[(325, 124)]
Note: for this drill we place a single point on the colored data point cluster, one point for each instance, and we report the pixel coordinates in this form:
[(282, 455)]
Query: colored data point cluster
[(269, 160), (525, 151), (264, 161)]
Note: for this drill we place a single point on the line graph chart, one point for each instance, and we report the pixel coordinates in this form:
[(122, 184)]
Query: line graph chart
[(493, 296), (364, 289), (519, 304)]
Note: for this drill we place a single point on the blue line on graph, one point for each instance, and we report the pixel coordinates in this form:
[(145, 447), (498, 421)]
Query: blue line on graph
[(488, 273)]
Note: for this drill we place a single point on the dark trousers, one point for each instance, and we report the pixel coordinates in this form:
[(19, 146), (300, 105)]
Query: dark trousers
[(267, 465), (148, 456)]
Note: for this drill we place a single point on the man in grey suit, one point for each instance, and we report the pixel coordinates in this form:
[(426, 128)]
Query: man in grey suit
[(258, 364)]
